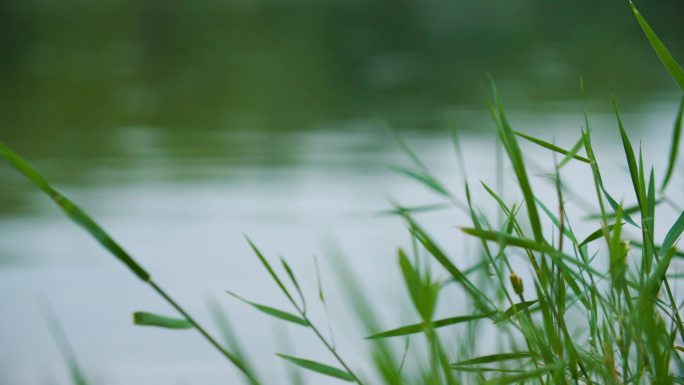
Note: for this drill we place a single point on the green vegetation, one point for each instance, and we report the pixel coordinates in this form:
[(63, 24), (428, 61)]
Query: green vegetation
[(598, 309)]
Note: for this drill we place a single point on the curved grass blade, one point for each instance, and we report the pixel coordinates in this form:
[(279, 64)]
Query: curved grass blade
[(663, 54), (318, 367), (674, 146), (420, 327), (673, 235), (494, 358), (73, 211), (514, 309), (516, 157), (142, 318), (424, 178), (595, 235), (283, 315), (81, 218), (553, 147)]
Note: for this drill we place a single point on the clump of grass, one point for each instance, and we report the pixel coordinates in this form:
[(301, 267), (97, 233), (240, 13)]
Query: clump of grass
[(598, 309)]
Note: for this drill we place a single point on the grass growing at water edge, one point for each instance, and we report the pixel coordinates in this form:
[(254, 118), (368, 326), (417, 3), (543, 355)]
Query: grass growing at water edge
[(596, 309)]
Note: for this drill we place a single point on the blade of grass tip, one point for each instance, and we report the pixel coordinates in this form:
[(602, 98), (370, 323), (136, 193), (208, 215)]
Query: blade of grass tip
[(65, 348), (674, 145), (673, 235), (319, 367), (82, 219), (664, 55), (321, 297), (271, 272), (515, 155), (573, 151), (294, 281), (277, 313), (629, 154), (596, 234), (404, 147), (424, 178), (420, 327), (142, 318), (553, 147)]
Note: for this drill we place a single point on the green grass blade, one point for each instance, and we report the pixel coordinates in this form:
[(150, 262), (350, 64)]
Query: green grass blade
[(72, 211), (525, 376), (493, 358), (514, 309), (573, 152), (664, 55), (318, 367), (629, 154), (277, 313), (515, 154), (595, 235), (674, 145), (424, 178), (553, 147), (673, 235), (420, 327), (141, 318)]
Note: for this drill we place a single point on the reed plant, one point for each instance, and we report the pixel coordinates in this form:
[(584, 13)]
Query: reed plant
[(597, 309)]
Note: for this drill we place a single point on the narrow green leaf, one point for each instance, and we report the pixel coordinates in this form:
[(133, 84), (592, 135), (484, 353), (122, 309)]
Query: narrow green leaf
[(573, 152), (419, 327), (493, 358), (423, 177), (595, 235), (674, 145), (629, 154), (283, 315), (72, 211), (319, 368), (514, 309), (525, 376), (553, 147), (141, 318), (516, 157), (506, 239), (664, 55), (673, 234)]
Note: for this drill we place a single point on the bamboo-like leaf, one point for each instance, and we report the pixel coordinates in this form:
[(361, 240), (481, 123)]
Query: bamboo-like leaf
[(419, 327), (277, 313), (318, 367), (664, 55), (553, 147), (142, 318)]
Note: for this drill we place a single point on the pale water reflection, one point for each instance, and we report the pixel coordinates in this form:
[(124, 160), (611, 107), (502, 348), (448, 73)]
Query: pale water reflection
[(184, 213)]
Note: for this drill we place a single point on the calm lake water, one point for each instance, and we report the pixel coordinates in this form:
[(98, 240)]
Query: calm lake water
[(182, 129)]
